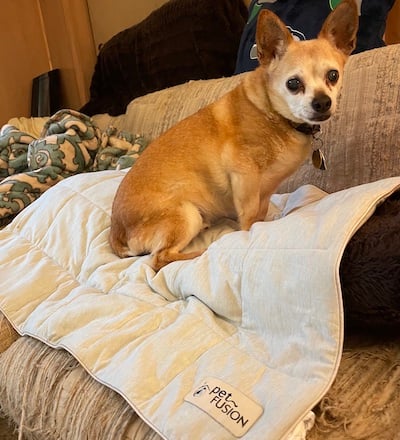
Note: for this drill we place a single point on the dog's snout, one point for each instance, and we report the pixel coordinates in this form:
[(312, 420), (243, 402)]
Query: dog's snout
[(321, 103)]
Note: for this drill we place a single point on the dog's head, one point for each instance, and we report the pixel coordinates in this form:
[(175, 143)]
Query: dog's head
[(304, 77)]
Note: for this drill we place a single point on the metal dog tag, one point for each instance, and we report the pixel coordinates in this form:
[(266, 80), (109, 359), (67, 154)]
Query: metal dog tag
[(318, 160)]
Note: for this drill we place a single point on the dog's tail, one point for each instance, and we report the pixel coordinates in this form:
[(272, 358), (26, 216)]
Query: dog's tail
[(117, 240)]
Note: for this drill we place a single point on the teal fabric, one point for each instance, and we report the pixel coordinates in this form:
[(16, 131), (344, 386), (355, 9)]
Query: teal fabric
[(70, 143)]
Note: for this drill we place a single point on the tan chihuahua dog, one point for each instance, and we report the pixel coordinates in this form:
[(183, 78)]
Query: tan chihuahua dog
[(227, 159)]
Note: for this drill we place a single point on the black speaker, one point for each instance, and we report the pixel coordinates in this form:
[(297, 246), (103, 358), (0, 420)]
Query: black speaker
[(46, 94)]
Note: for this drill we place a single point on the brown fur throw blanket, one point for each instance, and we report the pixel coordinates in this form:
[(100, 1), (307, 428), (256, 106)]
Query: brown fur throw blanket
[(370, 271)]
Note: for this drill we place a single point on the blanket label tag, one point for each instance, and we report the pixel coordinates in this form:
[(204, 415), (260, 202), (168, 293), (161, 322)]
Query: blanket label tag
[(225, 404)]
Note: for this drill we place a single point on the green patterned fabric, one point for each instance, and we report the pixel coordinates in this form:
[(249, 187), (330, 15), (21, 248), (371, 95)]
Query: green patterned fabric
[(70, 143)]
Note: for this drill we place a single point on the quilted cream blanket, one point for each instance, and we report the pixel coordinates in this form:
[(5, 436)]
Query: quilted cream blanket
[(239, 343)]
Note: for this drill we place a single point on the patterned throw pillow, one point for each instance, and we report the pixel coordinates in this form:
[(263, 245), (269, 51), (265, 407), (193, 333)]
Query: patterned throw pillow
[(304, 19)]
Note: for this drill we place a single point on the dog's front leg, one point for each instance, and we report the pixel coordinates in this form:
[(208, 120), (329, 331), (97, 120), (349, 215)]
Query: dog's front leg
[(264, 205), (246, 197)]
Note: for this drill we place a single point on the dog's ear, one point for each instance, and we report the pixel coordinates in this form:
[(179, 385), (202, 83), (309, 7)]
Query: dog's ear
[(340, 27), (272, 37)]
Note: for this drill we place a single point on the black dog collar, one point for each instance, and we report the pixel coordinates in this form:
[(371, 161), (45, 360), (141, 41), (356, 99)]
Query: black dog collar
[(305, 128)]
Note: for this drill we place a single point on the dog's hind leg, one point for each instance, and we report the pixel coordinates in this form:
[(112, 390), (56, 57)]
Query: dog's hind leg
[(172, 232), (165, 256)]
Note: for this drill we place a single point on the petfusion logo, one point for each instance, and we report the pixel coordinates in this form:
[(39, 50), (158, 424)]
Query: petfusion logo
[(225, 404), (223, 401)]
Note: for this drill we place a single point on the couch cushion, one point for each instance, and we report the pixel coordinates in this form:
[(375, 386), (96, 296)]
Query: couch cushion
[(157, 112)]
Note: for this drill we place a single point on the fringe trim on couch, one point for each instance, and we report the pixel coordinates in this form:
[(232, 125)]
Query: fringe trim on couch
[(48, 404), (364, 401)]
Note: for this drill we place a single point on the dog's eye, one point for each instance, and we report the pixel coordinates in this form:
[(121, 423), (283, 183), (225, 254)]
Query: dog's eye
[(294, 84), (333, 76)]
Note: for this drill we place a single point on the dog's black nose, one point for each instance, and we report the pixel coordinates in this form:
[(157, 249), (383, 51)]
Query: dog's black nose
[(321, 103)]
